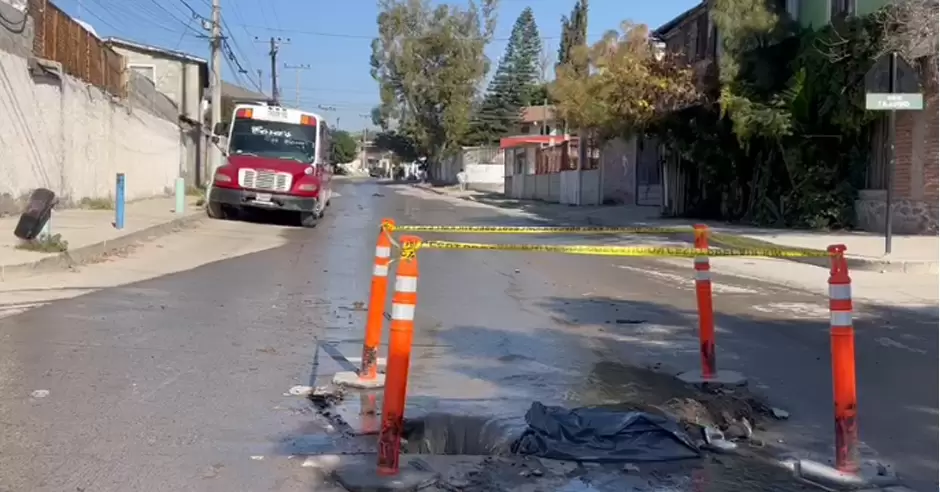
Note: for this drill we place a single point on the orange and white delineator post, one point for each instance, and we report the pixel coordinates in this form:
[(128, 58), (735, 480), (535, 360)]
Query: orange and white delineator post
[(703, 297), (401, 336), (368, 375), (842, 336), (709, 372)]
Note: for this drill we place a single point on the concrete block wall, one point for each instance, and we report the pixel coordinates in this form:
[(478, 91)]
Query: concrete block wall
[(60, 133)]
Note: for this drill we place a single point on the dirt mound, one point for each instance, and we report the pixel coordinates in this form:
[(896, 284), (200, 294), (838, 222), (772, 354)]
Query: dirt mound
[(734, 411)]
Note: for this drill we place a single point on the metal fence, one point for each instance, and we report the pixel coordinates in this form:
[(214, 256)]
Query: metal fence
[(82, 55)]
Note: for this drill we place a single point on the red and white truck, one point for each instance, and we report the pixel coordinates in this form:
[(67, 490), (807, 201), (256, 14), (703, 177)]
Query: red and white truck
[(276, 159)]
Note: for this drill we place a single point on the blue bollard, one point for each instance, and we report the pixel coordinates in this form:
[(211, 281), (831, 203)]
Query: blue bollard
[(180, 196), (119, 202)]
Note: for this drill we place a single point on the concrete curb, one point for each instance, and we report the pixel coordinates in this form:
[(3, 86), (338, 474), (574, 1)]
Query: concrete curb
[(870, 477), (920, 267), (85, 254)]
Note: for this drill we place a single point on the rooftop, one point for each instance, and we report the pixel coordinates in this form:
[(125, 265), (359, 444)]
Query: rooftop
[(155, 50), (535, 114), (666, 29)]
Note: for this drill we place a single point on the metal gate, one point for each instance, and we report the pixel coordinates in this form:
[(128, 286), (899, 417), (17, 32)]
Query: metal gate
[(649, 173)]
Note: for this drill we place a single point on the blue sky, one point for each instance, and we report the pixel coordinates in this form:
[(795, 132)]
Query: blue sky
[(332, 37)]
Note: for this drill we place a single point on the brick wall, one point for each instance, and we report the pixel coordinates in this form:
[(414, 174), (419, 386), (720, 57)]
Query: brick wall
[(916, 152), (932, 149)]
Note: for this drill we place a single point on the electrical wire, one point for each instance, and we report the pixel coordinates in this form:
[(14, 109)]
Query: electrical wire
[(352, 36)]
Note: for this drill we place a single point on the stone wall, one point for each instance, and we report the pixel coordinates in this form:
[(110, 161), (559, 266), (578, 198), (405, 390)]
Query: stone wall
[(909, 216)]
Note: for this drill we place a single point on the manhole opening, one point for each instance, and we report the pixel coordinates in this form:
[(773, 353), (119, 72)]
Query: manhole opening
[(446, 434)]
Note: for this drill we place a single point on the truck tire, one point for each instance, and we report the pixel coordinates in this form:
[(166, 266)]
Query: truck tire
[(217, 211), (37, 213), (308, 219)]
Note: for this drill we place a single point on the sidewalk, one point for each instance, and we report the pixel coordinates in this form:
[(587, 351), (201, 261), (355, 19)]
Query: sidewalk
[(911, 254), (908, 277), (90, 234)]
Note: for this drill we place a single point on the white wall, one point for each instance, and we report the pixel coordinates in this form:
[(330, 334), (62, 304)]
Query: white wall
[(485, 176), (485, 168), (70, 137)]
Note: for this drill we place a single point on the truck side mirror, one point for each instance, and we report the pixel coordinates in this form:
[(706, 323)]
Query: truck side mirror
[(221, 128)]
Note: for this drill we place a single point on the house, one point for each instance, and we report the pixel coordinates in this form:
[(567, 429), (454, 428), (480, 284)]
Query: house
[(233, 95), (639, 171), (183, 79), (541, 160), (915, 177)]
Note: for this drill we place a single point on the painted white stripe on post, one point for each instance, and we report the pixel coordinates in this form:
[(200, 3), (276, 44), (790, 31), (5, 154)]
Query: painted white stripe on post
[(840, 292), (701, 259), (840, 318), (380, 270), (406, 284), (383, 252), (702, 276), (403, 312)]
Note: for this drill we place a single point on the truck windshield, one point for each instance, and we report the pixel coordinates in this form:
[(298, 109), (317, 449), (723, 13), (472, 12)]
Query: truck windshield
[(273, 139)]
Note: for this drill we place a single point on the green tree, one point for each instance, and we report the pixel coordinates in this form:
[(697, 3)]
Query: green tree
[(344, 147), (630, 85), (429, 60), (400, 145), (514, 84), (788, 142)]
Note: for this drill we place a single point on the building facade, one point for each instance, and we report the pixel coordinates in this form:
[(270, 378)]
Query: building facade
[(183, 79), (915, 177)]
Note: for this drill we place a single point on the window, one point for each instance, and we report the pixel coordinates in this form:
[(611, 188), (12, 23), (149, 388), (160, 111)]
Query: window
[(841, 8), (147, 71), (702, 30), (793, 8)]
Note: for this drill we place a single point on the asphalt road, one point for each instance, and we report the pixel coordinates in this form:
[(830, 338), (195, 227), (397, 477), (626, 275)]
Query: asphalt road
[(179, 383)]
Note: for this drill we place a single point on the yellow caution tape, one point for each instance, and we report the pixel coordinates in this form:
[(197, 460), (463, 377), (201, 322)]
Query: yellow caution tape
[(536, 229), (626, 250)]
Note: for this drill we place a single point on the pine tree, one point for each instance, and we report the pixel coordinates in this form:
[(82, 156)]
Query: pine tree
[(513, 84), (525, 65), (573, 32)]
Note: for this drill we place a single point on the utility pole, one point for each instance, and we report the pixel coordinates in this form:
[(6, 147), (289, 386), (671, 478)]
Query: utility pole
[(275, 46), (362, 147), (215, 86), (261, 81), (297, 69)]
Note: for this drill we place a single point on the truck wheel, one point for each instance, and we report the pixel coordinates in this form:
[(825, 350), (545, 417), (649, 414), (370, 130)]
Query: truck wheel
[(308, 219), (217, 211)]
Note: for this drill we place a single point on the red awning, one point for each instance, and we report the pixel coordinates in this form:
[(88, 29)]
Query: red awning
[(524, 140)]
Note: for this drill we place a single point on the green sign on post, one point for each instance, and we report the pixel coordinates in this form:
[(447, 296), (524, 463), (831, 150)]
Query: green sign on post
[(892, 85), (885, 101)]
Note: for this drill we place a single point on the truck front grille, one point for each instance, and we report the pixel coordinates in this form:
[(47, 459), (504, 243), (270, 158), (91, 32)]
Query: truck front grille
[(254, 179)]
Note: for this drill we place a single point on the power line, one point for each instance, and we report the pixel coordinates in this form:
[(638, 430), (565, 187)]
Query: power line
[(139, 14), (351, 36)]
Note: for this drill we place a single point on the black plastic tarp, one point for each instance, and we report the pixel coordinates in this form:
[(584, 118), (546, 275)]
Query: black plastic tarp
[(579, 434), (602, 435)]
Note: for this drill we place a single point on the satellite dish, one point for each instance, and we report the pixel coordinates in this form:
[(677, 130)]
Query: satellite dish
[(88, 28)]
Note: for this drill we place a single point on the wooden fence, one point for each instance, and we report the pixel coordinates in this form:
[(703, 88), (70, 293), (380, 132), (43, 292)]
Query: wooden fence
[(59, 38)]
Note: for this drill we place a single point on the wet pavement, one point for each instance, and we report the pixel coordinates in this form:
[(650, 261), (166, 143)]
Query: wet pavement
[(182, 382)]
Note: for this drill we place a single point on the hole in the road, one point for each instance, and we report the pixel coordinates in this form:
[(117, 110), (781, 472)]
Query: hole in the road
[(440, 433)]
